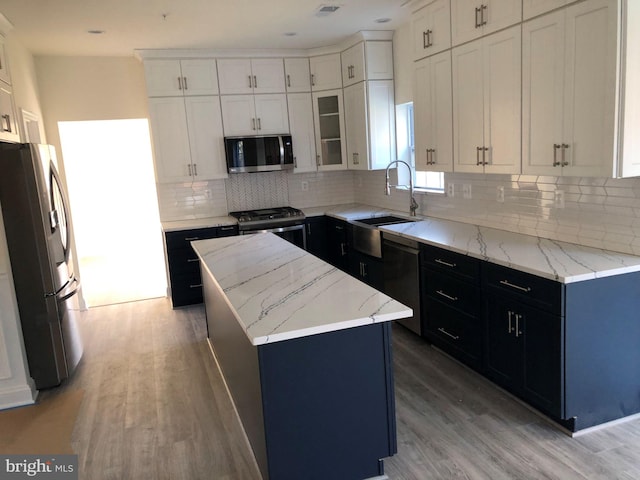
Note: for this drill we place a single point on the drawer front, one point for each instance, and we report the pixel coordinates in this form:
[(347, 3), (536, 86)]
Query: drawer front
[(452, 291), (451, 262), (181, 239), (454, 332), (531, 289), (184, 264)]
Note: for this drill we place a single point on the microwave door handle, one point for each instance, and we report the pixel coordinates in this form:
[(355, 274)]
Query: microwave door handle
[(281, 149)]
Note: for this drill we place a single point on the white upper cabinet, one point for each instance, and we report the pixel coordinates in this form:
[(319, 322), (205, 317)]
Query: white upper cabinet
[(170, 78), (532, 8), (297, 75), (187, 138), (569, 91), (302, 132), (5, 76), (328, 114), (8, 119), (326, 72), (471, 19), (254, 114), (353, 65), (370, 60), (244, 76), (370, 124), (431, 29), (487, 104), (433, 113)]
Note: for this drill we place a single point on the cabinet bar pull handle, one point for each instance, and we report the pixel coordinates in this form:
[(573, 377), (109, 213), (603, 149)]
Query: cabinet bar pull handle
[(342, 250), (313, 80), (186, 85), (455, 337), (318, 160), (288, 80), (446, 264), (564, 149), (179, 83), (191, 260), (250, 83), (7, 123), (478, 24), (478, 162), (425, 41), (517, 287), (556, 146), (510, 313), (190, 171), (433, 161), (195, 286), (364, 269), (255, 82), (308, 229), (253, 124), (226, 228), (442, 294), (195, 169), (484, 151), (429, 41), (518, 332), (259, 123), (483, 21), (191, 239)]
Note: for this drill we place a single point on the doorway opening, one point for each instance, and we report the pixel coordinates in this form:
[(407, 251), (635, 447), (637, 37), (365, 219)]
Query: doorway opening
[(113, 202)]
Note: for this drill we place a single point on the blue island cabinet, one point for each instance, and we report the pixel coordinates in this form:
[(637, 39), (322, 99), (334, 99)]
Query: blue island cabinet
[(315, 407)]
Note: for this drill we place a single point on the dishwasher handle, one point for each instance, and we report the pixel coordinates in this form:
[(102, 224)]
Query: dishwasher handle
[(392, 244)]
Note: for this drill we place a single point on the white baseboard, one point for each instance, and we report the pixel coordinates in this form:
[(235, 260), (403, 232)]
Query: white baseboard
[(19, 396)]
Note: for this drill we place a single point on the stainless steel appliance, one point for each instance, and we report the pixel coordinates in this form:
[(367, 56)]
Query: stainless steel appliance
[(258, 154), (34, 208), (401, 266), (366, 235), (286, 222)]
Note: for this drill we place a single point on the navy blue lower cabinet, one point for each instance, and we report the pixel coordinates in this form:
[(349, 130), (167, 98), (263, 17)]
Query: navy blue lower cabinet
[(314, 408), (524, 352)]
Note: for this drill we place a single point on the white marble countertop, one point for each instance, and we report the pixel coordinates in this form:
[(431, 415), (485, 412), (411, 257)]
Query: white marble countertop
[(560, 261), (190, 224), (279, 292)]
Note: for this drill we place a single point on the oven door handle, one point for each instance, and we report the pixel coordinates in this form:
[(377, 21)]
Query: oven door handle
[(276, 230)]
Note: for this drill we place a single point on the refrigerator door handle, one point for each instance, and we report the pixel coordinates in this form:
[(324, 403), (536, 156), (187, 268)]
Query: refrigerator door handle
[(57, 292), (70, 294)]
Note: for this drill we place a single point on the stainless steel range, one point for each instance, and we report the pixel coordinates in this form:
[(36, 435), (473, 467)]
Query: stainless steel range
[(286, 222)]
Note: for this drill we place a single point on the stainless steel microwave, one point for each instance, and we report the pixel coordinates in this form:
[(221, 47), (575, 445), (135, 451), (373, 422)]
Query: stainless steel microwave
[(258, 154)]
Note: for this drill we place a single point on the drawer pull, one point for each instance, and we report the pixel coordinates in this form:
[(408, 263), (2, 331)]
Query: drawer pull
[(196, 286), (191, 239), (226, 229), (441, 293), (455, 337), (191, 260), (446, 264), (517, 287)]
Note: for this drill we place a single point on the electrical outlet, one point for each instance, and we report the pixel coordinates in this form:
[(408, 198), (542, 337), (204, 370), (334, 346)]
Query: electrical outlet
[(466, 191), (450, 190), (559, 198), (305, 186), (500, 195)]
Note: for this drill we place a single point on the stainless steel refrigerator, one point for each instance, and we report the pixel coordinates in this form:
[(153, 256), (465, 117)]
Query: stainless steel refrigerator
[(35, 211)]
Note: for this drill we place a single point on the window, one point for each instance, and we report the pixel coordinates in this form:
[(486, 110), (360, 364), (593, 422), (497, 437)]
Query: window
[(428, 181)]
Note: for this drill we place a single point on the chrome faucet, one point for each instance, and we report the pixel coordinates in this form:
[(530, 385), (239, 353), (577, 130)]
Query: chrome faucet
[(413, 205)]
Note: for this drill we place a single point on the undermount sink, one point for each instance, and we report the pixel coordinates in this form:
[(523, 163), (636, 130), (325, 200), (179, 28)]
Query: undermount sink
[(380, 221), (366, 236)]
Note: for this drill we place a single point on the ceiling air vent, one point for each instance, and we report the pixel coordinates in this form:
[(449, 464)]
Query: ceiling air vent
[(325, 10)]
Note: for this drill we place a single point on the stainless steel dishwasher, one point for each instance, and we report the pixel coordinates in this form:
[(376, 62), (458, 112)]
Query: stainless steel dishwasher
[(401, 266)]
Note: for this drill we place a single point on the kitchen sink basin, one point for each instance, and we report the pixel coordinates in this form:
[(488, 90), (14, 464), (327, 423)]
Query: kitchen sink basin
[(366, 236), (380, 221)]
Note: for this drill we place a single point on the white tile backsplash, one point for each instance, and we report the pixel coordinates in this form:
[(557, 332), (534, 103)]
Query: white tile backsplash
[(598, 212)]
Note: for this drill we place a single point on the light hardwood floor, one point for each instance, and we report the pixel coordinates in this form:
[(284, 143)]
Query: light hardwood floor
[(155, 407)]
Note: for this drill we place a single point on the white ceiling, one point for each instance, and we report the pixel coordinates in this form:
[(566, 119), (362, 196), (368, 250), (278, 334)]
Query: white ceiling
[(59, 27)]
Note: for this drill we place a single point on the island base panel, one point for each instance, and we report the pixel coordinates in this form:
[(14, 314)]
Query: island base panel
[(314, 407)]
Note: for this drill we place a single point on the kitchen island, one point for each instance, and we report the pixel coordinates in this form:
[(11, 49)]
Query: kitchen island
[(305, 351)]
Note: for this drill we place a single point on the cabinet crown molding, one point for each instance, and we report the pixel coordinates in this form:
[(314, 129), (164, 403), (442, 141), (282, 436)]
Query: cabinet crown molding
[(181, 53)]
